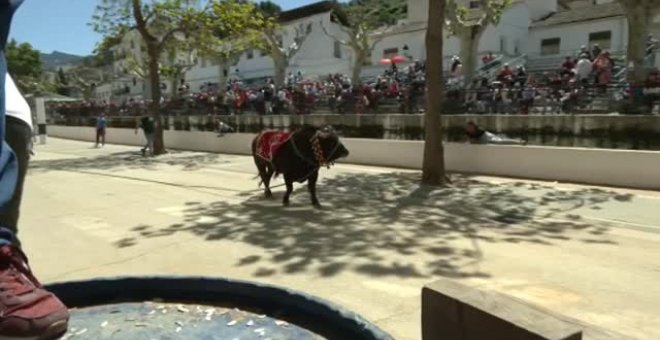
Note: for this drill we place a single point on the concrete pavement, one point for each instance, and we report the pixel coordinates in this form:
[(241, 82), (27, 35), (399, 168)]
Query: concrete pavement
[(590, 253)]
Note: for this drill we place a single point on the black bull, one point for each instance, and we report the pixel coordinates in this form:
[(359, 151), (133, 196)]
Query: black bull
[(298, 162)]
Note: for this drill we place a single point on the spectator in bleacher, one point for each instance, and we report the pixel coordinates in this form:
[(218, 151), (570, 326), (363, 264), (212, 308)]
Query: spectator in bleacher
[(521, 75), (456, 67), (567, 66), (603, 66), (595, 51), (496, 97), (506, 74), (269, 94), (652, 89), (487, 58), (651, 44), (527, 101), (545, 79), (583, 69)]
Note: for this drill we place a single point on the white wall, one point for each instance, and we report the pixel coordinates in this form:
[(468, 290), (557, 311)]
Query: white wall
[(414, 39), (513, 29), (575, 35), (418, 10), (315, 58), (541, 8), (625, 168)]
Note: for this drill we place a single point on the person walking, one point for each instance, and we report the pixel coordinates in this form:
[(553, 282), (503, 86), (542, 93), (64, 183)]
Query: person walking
[(27, 310), (101, 124), (148, 127)]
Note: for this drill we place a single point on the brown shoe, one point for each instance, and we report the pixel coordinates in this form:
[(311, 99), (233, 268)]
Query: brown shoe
[(27, 310)]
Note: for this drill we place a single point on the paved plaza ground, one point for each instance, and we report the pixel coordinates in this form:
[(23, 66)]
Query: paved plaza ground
[(588, 252)]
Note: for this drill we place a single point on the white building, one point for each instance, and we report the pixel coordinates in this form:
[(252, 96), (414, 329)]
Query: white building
[(510, 37), (319, 54), (577, 24), (103, 92), (124, 84), (540, 32), (127, 83), (543, 30)]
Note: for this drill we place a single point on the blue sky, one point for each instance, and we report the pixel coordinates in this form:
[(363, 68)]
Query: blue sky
[(62, 24)]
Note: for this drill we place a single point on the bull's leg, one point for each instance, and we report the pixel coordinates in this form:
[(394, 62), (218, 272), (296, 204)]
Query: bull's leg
[(265, 173), (289, 188), (266, 177), (311, 186)]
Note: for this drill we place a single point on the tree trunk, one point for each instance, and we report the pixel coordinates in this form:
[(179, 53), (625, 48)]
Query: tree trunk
[(469, 43), (154, 107), (357, 68), (639, 20), (280, 63), (222, 77), (174, 84), (433, 167)]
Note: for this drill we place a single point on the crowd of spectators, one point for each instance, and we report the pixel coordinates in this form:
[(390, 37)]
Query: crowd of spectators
[(575, 83)]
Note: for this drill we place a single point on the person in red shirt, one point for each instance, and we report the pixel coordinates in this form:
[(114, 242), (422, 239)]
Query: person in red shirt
[(487, 58), (568, 66), (506, 74)]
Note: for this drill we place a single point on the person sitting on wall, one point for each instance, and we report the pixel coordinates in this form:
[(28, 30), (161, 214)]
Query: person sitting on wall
[(476, 135)]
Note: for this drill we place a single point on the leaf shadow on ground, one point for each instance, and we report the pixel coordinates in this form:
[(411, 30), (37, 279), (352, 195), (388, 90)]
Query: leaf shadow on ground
[(386, 224), (129, 160)]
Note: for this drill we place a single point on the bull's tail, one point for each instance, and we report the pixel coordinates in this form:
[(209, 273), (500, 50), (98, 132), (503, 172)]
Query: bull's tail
[(261, 181)]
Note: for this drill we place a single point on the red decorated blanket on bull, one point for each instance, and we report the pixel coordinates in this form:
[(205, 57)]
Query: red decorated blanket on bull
[(269, 142)]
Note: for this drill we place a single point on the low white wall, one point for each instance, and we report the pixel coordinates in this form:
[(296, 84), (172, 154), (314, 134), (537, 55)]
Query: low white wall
[(624, 168), (235, 143)]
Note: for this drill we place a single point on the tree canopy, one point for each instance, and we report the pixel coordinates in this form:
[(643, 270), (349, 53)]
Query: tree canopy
[(468, 25), (269, 9), (24, 65), (380, 12), (364, 16)]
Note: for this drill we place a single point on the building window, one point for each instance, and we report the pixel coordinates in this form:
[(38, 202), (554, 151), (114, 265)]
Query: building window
[(474, 4), (603, 39), (264, 52), (390, 52), (250, 53), (550, 46), (337, 50)]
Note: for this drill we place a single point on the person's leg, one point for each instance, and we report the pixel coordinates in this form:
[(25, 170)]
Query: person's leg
[(18, 136), (26, 309), (103, 137), (150, 143)]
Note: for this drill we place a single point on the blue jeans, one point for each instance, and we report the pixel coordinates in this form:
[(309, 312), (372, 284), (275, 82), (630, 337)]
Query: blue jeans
[(8, 161)]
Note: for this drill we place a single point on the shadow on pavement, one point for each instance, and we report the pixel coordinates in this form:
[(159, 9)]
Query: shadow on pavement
[(388, 225), (127, 161)]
